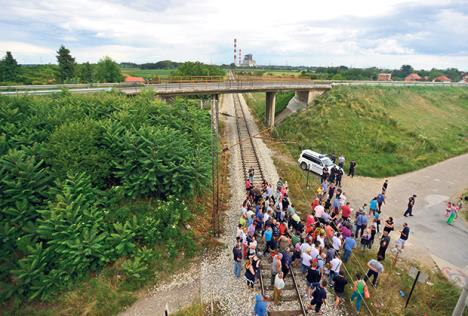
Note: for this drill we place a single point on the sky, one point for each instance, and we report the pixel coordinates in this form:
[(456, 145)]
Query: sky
[(354, 33)]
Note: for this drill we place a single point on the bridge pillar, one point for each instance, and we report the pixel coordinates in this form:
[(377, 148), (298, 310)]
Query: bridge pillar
[(303, 97), (270, 108)]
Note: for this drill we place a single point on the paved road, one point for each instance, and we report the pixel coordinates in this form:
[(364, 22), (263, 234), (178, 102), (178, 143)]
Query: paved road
[(434, 186)]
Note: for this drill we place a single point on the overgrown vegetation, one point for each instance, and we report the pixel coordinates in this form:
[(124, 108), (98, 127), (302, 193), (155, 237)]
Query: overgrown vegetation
[(99, 185), (387, 130)]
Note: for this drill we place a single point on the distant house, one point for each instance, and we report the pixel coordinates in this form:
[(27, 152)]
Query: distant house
[(384, 77), (441, 79), (465, 78), (134, 79), (413, 77)]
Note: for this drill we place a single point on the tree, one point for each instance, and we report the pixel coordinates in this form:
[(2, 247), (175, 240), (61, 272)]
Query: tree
[(66, 64), (108, 70), (406, 70), (8, 68), (86, 73), (199, 69)]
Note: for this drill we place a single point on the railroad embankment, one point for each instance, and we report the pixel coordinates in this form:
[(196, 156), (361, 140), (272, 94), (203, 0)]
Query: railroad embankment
[(386, 130)]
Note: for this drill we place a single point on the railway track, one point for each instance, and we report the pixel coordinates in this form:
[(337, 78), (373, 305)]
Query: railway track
[(249, 156), (292, 303)]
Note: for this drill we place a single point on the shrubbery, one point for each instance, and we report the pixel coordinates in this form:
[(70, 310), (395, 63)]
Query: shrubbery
[(85, 180)]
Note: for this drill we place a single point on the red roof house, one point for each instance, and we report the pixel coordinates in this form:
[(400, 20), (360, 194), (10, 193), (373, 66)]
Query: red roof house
[(441, 79), (134, 79), (413, 77)]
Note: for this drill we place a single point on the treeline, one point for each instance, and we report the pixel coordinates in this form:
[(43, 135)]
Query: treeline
[(163, 64), (66, 71), (345, 73), (188, 68), (86, 180)]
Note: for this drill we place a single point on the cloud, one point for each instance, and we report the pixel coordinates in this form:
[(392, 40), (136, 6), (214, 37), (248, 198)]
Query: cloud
[(425, 33)]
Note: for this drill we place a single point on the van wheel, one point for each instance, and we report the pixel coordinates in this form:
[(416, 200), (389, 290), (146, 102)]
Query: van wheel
[(303, 166)]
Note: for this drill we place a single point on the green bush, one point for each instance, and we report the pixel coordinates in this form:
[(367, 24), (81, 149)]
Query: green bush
[(75, 147), (69, 163)]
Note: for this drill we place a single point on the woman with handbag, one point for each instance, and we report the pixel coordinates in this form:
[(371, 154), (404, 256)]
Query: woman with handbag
[(360, 291)]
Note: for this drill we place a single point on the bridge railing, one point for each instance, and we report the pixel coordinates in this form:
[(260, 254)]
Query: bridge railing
[(219, 82)]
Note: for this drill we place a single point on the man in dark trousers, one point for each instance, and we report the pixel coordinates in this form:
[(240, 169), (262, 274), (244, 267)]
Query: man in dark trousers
[(333, 171), (325, 174), (385, 186), (339, 176), (237, 252), (384, 242), (352, 167), (409, 210)]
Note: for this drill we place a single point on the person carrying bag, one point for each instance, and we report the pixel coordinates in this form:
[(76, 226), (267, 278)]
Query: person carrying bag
[(360, 291)]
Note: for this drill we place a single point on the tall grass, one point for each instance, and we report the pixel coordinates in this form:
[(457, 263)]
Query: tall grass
[(387, 130)]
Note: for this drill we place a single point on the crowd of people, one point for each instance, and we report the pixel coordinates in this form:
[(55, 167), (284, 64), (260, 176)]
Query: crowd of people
[(321, 242)]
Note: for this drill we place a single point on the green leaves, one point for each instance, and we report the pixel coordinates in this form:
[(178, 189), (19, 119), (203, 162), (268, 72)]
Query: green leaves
[(68, 165)]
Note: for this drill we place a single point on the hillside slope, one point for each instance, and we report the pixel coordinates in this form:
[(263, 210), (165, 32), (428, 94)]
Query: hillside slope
[(387, 130)]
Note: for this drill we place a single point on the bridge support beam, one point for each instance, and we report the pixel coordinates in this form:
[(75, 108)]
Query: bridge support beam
[(270, 109), (303, 97)]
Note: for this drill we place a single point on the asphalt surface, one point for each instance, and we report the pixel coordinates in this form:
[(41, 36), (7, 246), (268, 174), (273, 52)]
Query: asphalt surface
[(434, 187)]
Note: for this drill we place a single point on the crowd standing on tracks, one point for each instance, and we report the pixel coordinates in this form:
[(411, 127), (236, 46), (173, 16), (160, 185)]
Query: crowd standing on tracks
[(317, 245)]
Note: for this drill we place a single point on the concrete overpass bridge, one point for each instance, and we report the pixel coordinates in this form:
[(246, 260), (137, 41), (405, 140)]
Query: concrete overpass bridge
[(305, 90)]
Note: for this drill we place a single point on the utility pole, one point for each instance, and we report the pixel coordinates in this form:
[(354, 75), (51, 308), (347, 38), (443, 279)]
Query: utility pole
[(216, 100), (213, 215), (460, 307)]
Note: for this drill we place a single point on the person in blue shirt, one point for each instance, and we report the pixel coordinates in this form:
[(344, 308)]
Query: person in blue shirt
[(268, 237), (348, 246), (361, 224), (381, 200), (373, 206), (261, 306)]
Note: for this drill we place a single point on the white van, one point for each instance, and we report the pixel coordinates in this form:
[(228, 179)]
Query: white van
[(312, 161)]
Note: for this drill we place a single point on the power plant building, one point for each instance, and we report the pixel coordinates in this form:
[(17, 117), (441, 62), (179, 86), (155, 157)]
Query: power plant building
[(248, 61)]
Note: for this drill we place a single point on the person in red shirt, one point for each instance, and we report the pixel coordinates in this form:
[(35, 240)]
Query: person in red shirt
[(346, 211), (315, 202)]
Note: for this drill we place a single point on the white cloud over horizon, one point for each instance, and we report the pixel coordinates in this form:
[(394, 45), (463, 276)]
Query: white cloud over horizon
[(384, 33)]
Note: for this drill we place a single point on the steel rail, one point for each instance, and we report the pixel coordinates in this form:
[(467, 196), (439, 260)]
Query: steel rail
[(250, 149), (304, 311)]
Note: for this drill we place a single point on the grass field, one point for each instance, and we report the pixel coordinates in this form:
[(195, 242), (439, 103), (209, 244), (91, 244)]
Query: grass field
[(387, 130), (147, 73)]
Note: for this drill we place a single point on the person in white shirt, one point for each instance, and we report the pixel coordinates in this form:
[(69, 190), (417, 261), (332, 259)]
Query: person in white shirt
[(335, 265), (336, 242), (306, 245), (240, 230), (306, 259), (315, 250), (279, 285)]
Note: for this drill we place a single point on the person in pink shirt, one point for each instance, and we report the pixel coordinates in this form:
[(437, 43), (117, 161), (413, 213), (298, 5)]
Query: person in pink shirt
[(345, 231)]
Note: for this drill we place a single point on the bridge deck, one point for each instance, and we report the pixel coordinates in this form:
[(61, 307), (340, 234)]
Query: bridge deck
[(199, 88)]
